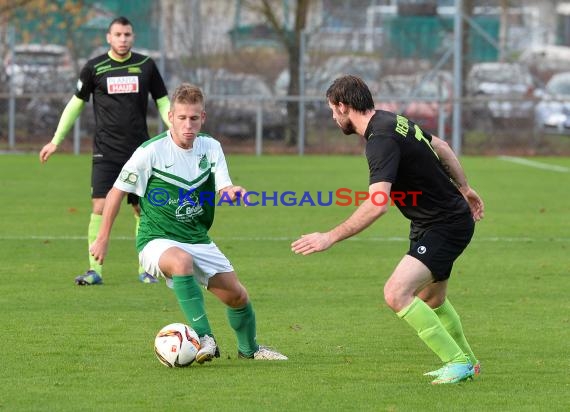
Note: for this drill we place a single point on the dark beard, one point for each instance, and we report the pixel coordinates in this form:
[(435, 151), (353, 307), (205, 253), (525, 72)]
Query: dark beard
[(348, 128)]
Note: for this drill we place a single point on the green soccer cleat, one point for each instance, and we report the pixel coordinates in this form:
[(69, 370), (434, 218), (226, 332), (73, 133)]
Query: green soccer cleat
[(89, 278), (454, 373)]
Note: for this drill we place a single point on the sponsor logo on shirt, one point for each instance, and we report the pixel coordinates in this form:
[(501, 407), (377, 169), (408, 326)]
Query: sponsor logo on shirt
[(134, 70), (188, 210), (122, 84)]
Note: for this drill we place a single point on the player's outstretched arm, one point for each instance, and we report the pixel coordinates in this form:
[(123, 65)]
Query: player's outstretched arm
[(366, 214), (98, 248)]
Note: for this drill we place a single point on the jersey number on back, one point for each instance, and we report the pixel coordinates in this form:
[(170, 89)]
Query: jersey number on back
[(402, 127)]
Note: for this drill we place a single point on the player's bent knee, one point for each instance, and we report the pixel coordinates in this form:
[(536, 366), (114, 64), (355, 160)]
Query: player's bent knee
[(238, 299), (394, 299), (390, 301)]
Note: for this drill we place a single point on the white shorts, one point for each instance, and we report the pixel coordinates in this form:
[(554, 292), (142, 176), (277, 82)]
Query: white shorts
[(207, 259)]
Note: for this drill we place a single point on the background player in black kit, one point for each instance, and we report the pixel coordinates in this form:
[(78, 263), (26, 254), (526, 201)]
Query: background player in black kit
[(402, 157), (120, 82)]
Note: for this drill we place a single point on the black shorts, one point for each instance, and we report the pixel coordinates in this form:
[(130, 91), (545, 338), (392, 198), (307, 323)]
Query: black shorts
[(440, 245), (103, 176)]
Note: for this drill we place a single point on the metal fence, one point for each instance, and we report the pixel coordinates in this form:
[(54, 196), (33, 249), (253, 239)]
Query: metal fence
[(258, 124), (359, 37)]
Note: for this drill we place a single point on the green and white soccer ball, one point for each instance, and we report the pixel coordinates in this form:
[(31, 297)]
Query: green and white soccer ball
[(176, 345)]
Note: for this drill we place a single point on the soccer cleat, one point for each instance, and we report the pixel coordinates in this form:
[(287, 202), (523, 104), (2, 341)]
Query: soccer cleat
[(147, 278), (435, 373), (477, 369), (208, 349), (264, 353), (454, 373), (89, 278)]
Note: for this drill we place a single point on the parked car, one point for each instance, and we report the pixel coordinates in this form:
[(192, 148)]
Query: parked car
[(552, 113), (232, 102), (424, 98), (318, 77), (365, 67), (499, 92), (546, 60), (39, 68)]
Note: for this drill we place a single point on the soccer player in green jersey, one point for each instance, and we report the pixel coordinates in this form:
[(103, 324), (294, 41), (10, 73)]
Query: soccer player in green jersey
[(402, 158), (176, 175), (120, 82)]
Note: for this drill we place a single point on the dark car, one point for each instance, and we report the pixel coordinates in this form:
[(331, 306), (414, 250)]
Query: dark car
[(424, 98)]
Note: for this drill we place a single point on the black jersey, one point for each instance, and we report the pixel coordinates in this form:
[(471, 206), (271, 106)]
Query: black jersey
[(399, 152), (120, 100)]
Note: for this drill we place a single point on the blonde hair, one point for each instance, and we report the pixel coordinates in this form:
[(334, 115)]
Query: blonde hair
[(187, 93)]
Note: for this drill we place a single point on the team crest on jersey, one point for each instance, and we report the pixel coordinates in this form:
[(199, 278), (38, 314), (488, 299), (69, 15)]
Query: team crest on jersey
[(122, 84), (128, 177), (203, 164)]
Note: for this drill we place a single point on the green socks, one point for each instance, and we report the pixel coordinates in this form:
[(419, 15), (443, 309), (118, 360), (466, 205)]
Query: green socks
[(242, 321), (137, 223), (452, 323), (430, 329), (191, 301), (92, 231)]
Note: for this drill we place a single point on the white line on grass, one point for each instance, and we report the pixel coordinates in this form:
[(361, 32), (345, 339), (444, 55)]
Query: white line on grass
[(533, 163), (507, 239)]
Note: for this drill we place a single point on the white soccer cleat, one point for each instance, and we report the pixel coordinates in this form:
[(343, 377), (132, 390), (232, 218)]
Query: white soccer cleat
[(208, 349), (264, 353)]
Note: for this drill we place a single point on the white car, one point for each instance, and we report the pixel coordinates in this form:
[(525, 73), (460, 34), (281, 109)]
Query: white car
[(39, 68), (552, 113), (500, 92)]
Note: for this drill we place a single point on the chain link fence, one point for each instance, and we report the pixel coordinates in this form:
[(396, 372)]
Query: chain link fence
[(244, 74)]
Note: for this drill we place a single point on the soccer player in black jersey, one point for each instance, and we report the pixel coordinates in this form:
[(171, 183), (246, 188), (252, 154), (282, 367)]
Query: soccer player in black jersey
[(442, 208), (120, 82)]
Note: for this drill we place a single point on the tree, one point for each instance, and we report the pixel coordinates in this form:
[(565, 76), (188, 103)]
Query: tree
[(291, 41), (36, 20)]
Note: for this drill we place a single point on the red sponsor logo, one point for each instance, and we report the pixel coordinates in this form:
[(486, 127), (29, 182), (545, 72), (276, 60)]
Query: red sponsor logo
[(122, 84)]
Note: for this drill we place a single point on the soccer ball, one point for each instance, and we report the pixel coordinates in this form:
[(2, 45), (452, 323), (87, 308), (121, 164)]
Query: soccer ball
[(176, 345)]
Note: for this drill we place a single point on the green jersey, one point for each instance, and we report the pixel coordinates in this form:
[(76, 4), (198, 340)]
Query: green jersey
[(177, 187)]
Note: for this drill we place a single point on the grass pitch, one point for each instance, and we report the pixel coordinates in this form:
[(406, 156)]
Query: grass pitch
[(66, 348)]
